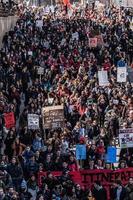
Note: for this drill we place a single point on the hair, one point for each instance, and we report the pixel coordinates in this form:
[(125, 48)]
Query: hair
[(17, 160), (118, 182), (98, 183)]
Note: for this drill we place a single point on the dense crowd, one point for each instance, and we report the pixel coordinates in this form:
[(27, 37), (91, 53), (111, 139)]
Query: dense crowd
[(8, 8), (93, 114)]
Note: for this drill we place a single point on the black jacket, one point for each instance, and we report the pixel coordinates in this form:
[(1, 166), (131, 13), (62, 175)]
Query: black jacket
[(100, 194), (123, 194), (15, 171)]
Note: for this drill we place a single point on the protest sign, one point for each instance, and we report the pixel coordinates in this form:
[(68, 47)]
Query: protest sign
[(39, 23), (33, 121), (126, 138), (80, 151), (111, 155), (103, 78), (99, 40), (30, 53), (121, 63), (9, 120), (92, 42), (40, 71), (86, 178), (121, 74), (75, 36), (53, 117)]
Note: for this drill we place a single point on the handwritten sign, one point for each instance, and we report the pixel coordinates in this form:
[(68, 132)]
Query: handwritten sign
[(121, 74), (53, 117), (103, 78), (33, 121)]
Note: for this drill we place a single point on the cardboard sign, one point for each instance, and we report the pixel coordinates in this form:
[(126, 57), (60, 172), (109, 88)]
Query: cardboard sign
[(92, 42), (53, 117), (33, 121), (121, 74), (39, 23), (9, 120), (126, 138), (80, 151), (40, 71), (103, 78), (111, 155)]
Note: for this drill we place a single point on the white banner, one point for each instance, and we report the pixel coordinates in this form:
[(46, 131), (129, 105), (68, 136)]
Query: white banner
[(126, 138), (103, 78), (121, 74), (33, 121)]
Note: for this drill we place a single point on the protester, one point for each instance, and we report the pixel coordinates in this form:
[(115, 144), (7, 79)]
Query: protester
[(119, 191), (129, 188), (99, 192)]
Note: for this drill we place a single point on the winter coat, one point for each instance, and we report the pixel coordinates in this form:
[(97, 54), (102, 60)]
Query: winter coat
[(129, 190)]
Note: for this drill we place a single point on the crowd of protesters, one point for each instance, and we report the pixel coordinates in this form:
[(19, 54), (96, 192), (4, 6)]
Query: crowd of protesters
[(93, 114), (8, 8)]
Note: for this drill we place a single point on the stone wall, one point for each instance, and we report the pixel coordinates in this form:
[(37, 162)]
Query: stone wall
[(6, 23)]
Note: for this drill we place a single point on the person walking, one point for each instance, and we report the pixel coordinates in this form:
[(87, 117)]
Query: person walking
[(99, 192)]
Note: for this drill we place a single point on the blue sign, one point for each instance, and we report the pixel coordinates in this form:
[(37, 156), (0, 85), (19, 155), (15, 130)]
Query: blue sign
[(80, 151), (111, 155), (121, 63)]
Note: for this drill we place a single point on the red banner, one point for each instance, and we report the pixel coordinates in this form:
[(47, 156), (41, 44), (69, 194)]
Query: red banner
[(9, 120), (86, 178)]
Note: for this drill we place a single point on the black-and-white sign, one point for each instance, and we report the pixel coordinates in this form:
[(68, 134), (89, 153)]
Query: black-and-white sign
[(33, 121)]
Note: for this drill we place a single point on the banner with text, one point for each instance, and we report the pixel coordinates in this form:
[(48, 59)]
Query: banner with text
[(86, 178)]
